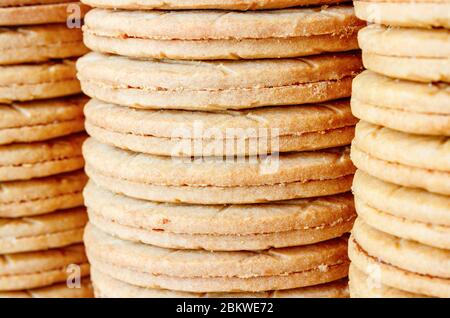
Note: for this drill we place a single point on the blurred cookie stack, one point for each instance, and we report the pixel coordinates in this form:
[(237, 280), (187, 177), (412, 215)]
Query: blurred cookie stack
[(400, 246), (41, 177), (212, 173)]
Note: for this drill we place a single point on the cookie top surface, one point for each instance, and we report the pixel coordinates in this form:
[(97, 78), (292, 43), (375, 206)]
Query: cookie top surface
[(168, 75), (289, 120), (158, 170), (202, 25), (203, 4), (60, 290), (201, 263)]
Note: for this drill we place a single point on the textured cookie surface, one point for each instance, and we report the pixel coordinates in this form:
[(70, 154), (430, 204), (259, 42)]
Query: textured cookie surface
[(37, 81), (42, 232), (40, 12), (40, 43), (41, 159), (219, 84), (249, 132), (421, 13), (38, 269), (204, 4), (401, 264), (197, 35), (411, 54), (41, 120), (407, 106), (203, 271), (235, 227), (108, 287), (58, 290)]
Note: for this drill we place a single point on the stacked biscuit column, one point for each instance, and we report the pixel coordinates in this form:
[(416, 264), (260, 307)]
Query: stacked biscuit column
[(218, 163), (400, 246), (41, 132)]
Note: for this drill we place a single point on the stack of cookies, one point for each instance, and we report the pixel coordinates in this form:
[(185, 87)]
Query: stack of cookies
[(219, 161), (400, 246), (41, 132)]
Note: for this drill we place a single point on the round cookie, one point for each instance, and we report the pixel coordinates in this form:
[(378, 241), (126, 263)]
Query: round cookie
[(38, 81), (108, 287), (204, 4), (195, 35), (41, 159), (399, 263), (412, 54), (217, 85), (381, 152), (41, 120), (59, 290), (42, 268), (203, 271), (42, 232), (218, 181), (406, 106), (413, 13), (40, 43), (224, 133), (40, 12), (43, 195), (223, 227), (364, 286)]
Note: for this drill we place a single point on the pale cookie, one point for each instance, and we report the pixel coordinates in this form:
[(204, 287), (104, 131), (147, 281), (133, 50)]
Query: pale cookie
[(40, 43), (42, 232), (16, 13), (217, 85), (224, 227), (398, 263), (411, 107), (42, 268), (426, 152), (43, 195), (59, 290), (247, 132), (402, 202), (297, 175), (203, 271), (412, 54), (204, 4), (196, 35), (37, 81), (41, 159), (375, 164), (41, 120), (404, 13), (365, 286), (107, 287)]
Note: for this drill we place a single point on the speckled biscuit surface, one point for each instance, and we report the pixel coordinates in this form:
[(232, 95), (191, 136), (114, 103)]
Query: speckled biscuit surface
[(41, 12), (41, 195), (38, 269), (41, 120), (248, 132), (58, 290), (202, 271), (406, 106), (204, 4), (188, 35), (418, 13), (27, 44), (41, 159), (25, 82), (407, 53), (42, 232), (217, 85)]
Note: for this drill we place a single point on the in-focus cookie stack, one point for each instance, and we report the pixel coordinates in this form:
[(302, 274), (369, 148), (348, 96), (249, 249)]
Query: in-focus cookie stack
[(188, 195), (400, 245), (41, 133)]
